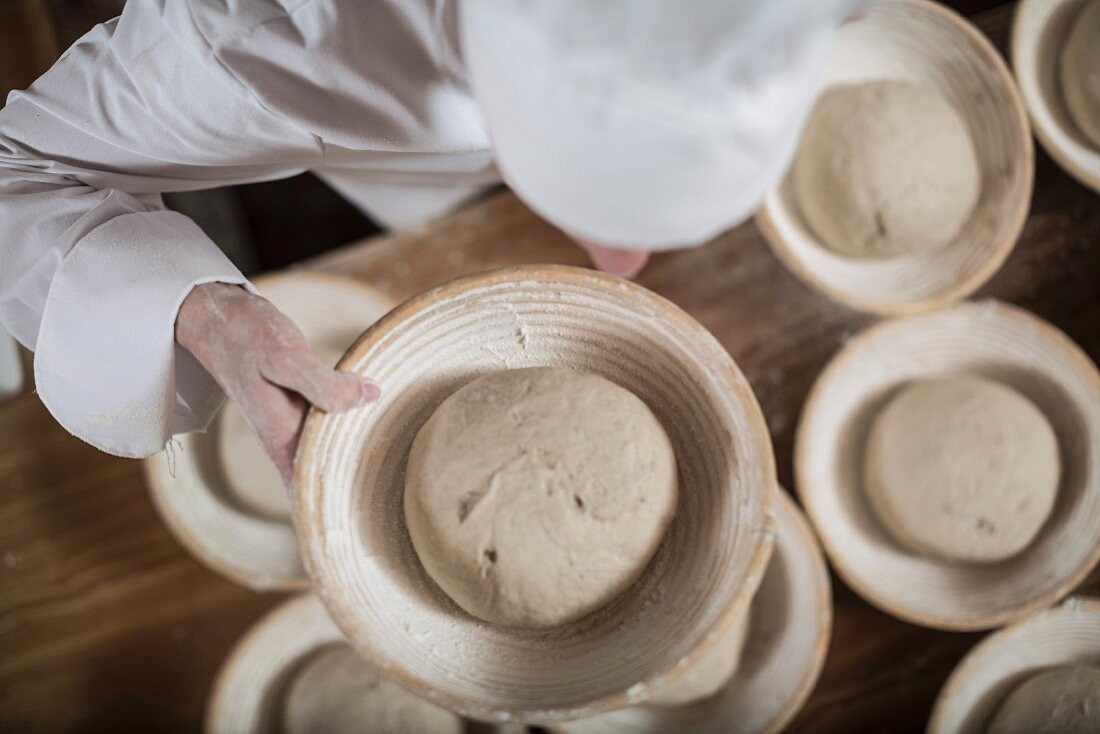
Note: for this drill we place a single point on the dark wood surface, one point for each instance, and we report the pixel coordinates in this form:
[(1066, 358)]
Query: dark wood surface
[(107, 625)]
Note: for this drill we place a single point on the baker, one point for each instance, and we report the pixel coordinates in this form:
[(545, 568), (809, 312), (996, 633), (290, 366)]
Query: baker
[(633, 126)]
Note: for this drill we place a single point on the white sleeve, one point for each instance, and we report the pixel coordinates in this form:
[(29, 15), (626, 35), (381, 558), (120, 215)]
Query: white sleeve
[(93, 268)]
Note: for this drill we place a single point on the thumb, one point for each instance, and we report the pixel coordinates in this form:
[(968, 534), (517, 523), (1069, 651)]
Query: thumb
[(335, 391), (617, 261), (297, 368), (330, 390)]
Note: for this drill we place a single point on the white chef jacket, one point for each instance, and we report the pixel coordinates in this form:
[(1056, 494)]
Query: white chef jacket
[(178, 95), (646, 124)]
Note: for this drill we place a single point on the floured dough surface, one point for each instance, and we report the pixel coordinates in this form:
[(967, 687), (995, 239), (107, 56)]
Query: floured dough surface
[(962, 468), (711, 674), (1080, 70), (252, 477), (1059, 701), (536, 496), (336, 692), (885, 168)]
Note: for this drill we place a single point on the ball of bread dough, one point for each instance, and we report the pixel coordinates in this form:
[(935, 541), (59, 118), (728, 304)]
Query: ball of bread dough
[(253, 480), (1060, 701), (885, 169), (336, 692), (962, 468), (711, 674), (536, 496), (1081, 71)]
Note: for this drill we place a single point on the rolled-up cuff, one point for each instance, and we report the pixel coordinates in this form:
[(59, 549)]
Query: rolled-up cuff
[(107, 365)]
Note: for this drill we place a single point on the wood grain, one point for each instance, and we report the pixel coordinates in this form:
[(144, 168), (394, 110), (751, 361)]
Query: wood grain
[(107, 625)]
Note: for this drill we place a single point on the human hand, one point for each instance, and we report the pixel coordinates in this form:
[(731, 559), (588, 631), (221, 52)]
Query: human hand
[(614, 260), (264, 364)]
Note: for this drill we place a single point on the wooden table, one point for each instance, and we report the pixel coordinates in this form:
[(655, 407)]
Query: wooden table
[(107, 625)]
